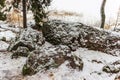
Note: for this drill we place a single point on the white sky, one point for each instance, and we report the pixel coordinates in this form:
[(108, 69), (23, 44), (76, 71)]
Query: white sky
[(89, 8)]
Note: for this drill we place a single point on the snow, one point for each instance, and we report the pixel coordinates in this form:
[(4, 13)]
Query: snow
[(92, 70), (8, 35), (10, 68), (3, 46), (30, 20), (4, 26)]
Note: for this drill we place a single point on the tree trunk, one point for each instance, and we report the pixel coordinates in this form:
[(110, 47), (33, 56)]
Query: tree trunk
[(24, 14), (103, 13)]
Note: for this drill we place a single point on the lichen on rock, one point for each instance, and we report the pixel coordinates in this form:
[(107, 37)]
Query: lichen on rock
[(29, 38), (52, 57), (75, 34)]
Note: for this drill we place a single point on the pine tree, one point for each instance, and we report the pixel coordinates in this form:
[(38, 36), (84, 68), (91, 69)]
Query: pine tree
[(2, 4), (38, 9)]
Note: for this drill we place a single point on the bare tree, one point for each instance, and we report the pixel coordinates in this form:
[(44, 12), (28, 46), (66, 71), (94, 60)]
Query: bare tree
[(118, 19), (102, 11)]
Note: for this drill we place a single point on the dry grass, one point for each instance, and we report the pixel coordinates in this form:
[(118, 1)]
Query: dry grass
[(107, 27), (15, 18), (63, 13)]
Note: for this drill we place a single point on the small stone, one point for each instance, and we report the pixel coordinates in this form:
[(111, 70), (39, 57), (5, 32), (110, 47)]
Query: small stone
[(111, 69)]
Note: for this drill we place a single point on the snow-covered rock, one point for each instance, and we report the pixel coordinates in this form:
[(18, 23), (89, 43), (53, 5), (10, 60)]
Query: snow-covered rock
[(117, 77), (52, 57), (111, 69), (30, 38), (75, 34), (21, 51), (7, 35), (3, 46)]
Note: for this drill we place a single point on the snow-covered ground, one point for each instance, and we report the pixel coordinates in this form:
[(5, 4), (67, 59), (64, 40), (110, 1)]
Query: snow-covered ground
[(91, 71), (10, 69), (3, 46)]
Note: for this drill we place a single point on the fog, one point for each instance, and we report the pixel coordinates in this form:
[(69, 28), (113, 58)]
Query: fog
[(89, 8)]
